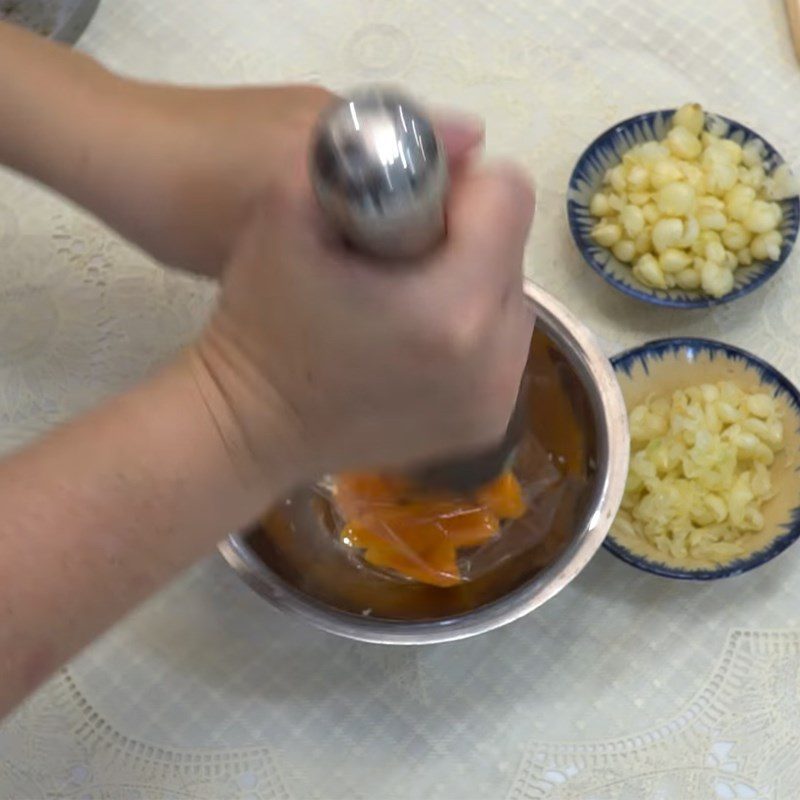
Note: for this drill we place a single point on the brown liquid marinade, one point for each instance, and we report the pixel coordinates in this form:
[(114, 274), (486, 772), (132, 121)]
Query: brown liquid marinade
[(299, 541)]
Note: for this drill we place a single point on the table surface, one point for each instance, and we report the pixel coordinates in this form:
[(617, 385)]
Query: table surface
[(625, 686)]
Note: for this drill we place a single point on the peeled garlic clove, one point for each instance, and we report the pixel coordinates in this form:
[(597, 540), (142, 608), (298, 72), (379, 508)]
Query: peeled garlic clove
[(639, 198), (753, 153), (715, 252), (735, 236), (598, 206), (632, 220), (738, 201), (643, 242), (684, 144), (664, 172), (648, 271), (638, 178), (782, 184), (691, 230), (618, 179), (691, 117), (651, 213), (733, 150), (667, 232), (606, 234), (673, 260), (767, 246), (716, 280), (712, 220), (624, 250), (616, 203), (688, 279), (676, 199), (760, 218)]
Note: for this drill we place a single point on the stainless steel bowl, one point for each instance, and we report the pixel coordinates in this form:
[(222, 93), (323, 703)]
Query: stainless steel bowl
[(594, 371), (62, 20)]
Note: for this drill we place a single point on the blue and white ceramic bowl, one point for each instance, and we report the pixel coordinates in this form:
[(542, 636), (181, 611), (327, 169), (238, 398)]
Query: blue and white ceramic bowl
[(606, 151), (661, 367)]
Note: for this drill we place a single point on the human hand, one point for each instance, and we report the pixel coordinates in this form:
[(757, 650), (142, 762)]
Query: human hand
[(200, 161), (324, 360), (173, 169), (182, 188), (210, 154), (315, 360), (176, 170)]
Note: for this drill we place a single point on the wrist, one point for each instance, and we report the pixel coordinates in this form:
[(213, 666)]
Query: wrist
[(258, 431), (183, 434)]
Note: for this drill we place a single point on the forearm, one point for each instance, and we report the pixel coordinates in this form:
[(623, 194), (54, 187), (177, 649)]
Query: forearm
[(110, 145), (107, 509), (51, 107), (176, 170)]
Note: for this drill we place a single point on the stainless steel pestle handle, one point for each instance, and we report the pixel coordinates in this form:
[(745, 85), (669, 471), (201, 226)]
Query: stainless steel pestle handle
[(380, 173)]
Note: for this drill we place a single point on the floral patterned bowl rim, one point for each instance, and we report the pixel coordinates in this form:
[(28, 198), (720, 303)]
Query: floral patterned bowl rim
[(606, 151), (637, 363)]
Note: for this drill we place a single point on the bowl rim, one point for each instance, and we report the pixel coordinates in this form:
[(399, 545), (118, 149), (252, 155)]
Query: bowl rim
[(649, 296), (76, 20), (72, 19), (658, 348), (608, 408)]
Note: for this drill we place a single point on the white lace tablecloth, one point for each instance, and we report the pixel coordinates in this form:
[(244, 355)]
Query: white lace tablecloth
[(626, 686)]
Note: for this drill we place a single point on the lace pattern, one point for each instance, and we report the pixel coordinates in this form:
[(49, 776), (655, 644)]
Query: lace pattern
[(736, 739), (624, 687)]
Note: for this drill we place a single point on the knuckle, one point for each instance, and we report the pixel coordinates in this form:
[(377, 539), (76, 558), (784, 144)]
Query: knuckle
[(452, 340), (468, 328)]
